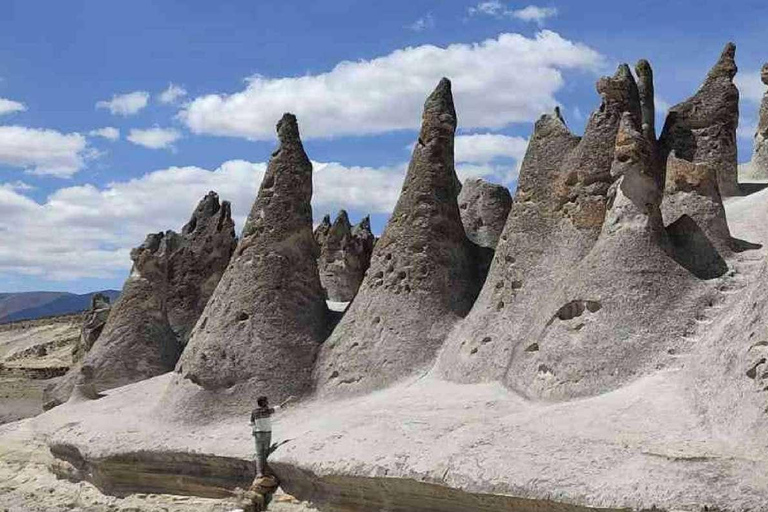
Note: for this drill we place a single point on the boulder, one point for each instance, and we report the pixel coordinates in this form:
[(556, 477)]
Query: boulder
[(261, 329), (423, 276), (93, 323), (344, 257), (702, 129), (484, 208), (171, 279)]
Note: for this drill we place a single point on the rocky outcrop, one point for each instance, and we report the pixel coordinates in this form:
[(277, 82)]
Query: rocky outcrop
[(423, 275), (702, 129), (645, 89), (93, 323), (321, 231), (261, 329), (484, 208), (556, 217), (759, 166), (172, 277), (345, 255)]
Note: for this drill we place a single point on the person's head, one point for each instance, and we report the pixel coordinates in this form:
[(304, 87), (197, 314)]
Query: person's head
[(262, 401)]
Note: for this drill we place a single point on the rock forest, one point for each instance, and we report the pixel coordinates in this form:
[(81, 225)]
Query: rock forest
[(595, 341)]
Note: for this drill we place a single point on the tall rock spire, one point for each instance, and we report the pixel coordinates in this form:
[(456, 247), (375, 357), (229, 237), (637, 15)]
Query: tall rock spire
[(702, 129), (760, 149), (264, 323), (344, 257), (647, 101), (423, 275)]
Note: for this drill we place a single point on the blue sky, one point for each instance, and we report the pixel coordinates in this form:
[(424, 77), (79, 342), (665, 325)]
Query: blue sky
[(72, 203)]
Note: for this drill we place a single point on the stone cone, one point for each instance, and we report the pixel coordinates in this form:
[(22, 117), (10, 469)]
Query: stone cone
[(759, 164), (262, 327), (702, 129), (423, 275), (344, 257)]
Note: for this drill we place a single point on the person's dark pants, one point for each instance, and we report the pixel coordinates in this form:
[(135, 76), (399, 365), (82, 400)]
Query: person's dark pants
[(262, 440)]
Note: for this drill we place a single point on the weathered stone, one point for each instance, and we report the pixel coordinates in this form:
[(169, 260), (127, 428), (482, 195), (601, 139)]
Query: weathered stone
[(172, 277), (262, 327), (647, 99), (702, 129), (484, 208), (555, 220), (321, 231), (759, 164), (423, 275), (93, 323), (691, 189), (344, 257), (365, 237)]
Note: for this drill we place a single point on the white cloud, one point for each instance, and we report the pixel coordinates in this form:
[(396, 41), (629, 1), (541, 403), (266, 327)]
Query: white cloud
[(482, 148), (85, 231), (496, 82), (751, 88), (154, 138), (535, 14), (172, 93), (423, 23), (41, 151), (498, 10), (125, 104), (108, 132), (10, 107)]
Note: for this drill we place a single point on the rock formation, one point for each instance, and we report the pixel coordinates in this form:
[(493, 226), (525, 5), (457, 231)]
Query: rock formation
[(702, 129), (423, 275), (556, 217), (759, 166), (647, 100), (344, 256), (265, 321), (484, 208), (93, 323), (172, 277), (321, 231)]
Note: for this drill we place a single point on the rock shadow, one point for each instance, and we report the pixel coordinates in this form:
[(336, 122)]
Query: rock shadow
[(692, 250)]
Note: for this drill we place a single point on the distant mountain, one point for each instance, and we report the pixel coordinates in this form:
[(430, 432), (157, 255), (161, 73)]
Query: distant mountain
[(31, 305)]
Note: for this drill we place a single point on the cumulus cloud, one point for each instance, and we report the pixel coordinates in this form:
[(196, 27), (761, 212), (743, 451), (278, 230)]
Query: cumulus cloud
[(125, 104), (87, 231), (10, 107), (108, 132), (485, 147), (172, 93), (154, 138), (423, 23), (496, 82), (41, 151), (530, 13), (751, 88)]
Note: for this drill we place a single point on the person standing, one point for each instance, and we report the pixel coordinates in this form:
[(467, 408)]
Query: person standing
[(261, 426)]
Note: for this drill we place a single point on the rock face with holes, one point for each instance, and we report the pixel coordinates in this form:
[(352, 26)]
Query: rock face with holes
[(93, 323), (759, 166), (345, 254), (702, 129), (556, 217), (261, 329), (423, 275), (173, 276), (484, 208)]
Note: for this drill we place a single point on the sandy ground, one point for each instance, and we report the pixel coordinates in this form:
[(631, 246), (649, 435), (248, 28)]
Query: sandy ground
[(20, 398)]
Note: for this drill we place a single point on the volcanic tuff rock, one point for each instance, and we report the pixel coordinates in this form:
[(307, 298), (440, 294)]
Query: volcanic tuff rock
[(556, 217), (344, 256), (484, 208), (702, 129), (423, 275), (172, 277), (760, 152), (264, 323), (93, 323), (321, 231)]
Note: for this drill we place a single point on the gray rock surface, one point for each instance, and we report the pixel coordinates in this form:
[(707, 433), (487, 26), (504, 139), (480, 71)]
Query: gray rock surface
[(702, 129), (345, 255), (484, 208), (172, 277), (262, 327), (759, 167), (423, 275), (93, 323), (321, 231), (556, 217), (645, 88)]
